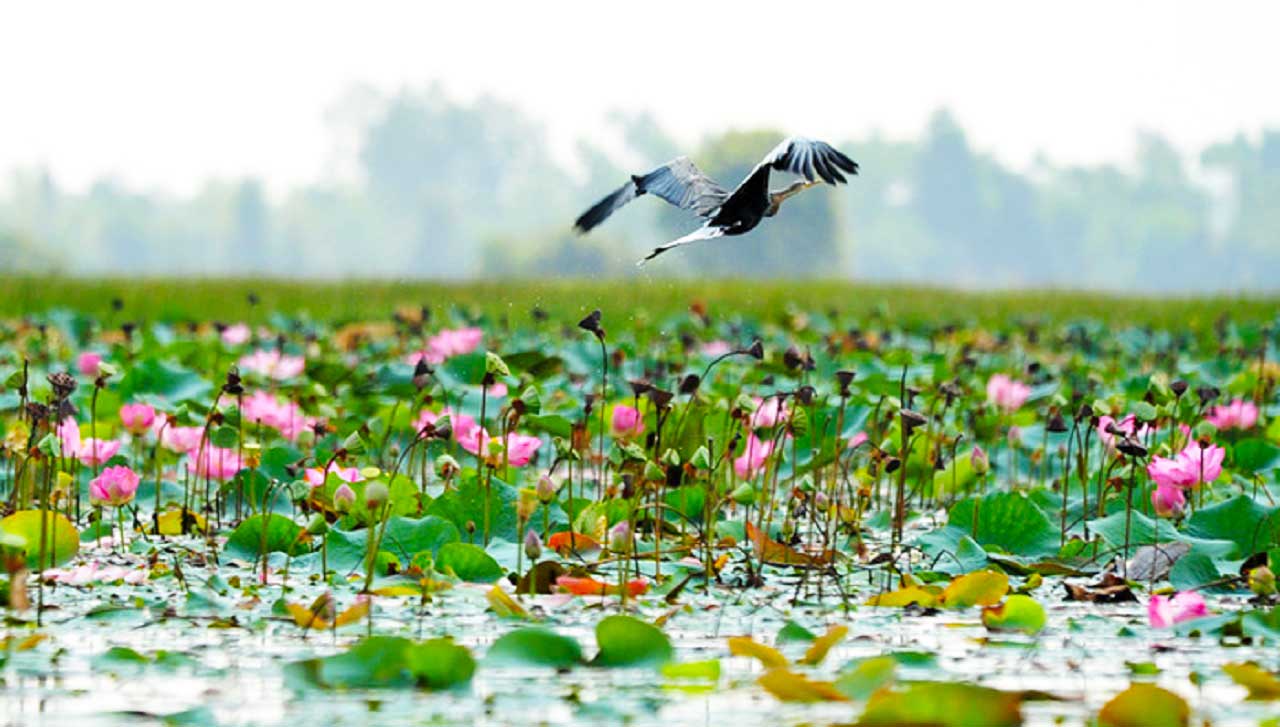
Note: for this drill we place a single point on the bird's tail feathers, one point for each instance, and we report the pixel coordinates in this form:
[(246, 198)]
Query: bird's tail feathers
[(702, 233)]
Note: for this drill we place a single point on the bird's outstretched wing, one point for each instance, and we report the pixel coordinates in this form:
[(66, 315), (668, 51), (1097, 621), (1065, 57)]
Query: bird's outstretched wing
[(706, 232), (678, 181), (809, 157)]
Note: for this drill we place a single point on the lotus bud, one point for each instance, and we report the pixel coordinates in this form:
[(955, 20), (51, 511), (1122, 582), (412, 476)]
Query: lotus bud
[(744, 494), (546, 489), (979, 462), (344, 498), (532, 545), (620, 537), (526, 504), (1262, 581), (821, 501), (376, 495)]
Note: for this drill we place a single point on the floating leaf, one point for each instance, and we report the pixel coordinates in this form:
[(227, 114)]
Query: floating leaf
[(789, 686), (504, 605), (926, 596), (867, 676), (943, 704), (1017, 613), (541, 647), (980, 588), (583, 586), (1145, 705), (767, 655), (708, 670), (628, 641), (1262, 684), (823, 644)]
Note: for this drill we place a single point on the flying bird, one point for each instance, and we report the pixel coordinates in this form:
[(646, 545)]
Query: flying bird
[(682, 184)]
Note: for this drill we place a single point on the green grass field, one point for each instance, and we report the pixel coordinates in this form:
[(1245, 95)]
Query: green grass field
[(229, 299)]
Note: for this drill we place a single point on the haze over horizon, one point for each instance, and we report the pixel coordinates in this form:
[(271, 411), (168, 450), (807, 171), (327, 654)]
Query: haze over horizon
[(163, 97)]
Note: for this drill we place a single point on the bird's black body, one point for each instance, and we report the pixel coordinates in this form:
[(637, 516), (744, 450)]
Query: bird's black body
[(727, 213)]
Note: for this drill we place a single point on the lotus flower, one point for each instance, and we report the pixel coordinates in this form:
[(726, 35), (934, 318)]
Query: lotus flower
[(753, 457), (1129, 425), (88, 363), (217, 463), (769, 412), (115, 486), (1168, 500), (1163, 611), (626, 422), (520, 448), (137, 418), (316, 475), (448, 343), (284, 416), (180, 439), (1006, 393), (273, 364), (1239, 414), (236, 334)]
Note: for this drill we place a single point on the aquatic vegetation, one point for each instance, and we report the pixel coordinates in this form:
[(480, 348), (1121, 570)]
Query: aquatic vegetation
[(660, 511)]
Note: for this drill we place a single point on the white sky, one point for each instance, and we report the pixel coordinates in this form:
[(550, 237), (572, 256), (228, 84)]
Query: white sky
[(163, 95)]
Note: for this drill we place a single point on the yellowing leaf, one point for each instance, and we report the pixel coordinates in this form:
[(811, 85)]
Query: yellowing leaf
[(1261, 683), (943, 704), (789, 686), (1145, 705), (171, 522), (979, 588), (821, 645), (926, 596), (770, 657), (504, 605), (320, 615)]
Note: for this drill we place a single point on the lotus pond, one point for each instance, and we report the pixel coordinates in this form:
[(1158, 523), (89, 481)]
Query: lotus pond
[(679, 510)]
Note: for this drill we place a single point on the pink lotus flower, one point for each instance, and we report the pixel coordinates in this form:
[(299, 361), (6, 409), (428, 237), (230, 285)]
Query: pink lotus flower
[(1006, 393), (769, 412), (137, 418), (94, 452), (497, 390), (1203, 463), (91, 572), (236, 334), (857, 440), (520, 448), (216, 463), (1163, 611), (286, 417), (1239, 414), (316, 475), (753, 457), (91, 452), (1168, 500), (626, 422), (179, 439), (1192, 466), (461, 423), (448, 343), (88, 363), (714, 349), (116, 486), (1129, 425), (273, 364)]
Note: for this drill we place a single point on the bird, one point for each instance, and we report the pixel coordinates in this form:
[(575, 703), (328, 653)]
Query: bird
[(682, 184)]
